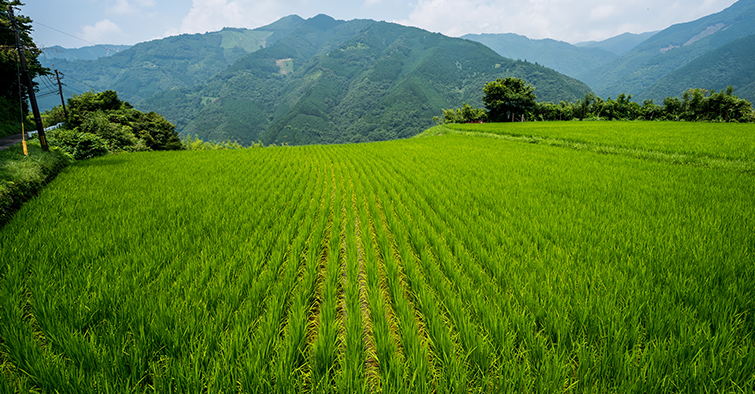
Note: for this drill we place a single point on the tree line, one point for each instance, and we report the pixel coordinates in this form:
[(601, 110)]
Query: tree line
[(512, 99)]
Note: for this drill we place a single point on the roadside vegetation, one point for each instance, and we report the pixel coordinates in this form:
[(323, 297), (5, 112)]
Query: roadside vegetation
[(22, 176), (100, 123), (445, 264)]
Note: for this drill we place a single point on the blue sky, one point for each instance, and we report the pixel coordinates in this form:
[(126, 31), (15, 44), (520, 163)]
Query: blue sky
[(133, 21)]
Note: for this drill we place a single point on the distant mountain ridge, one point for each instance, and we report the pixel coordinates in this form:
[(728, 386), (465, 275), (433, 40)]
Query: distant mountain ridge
[(177, 61), (558, 55), (620, 44), (731, 64), (671, 49), (84, 53), (335, 81)]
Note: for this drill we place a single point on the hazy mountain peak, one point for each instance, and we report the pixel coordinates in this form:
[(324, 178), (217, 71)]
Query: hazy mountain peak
[(620, 44), (558, 55), (322, 22), (671, 49)]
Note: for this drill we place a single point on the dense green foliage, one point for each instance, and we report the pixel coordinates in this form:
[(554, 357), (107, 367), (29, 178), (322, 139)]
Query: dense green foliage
[(561, 56), (11, 116), (465, 114), (191, 142), (427, 265), (10, 112), (99, 123), (507, 99), (695, 105), (671, 49), (352, 81), (23, 176), (732, 64)]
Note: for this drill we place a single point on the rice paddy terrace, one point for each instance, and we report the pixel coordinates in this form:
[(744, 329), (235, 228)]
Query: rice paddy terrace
[(586, 261)]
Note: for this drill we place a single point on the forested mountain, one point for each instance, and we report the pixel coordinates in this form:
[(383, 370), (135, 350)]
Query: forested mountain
[(334, 81), (178, 61), (83, 53), (620, 44), (671, 49), (732, 64), (558, 55)]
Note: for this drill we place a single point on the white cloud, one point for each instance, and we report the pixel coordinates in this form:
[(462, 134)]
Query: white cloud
[(104, 31), (601, 12), (126, 7), (567, 20), (121, 7), (212, 15)]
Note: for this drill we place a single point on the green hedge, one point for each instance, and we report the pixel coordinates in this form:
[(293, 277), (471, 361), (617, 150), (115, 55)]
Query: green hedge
[(21, 177)]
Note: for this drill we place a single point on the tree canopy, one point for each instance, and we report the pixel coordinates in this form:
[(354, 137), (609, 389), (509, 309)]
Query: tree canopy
[(506, 99), (104, 123), (9, 63)]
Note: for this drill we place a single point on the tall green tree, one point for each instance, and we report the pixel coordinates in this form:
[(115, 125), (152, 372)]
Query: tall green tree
[(507, 99), (9, 61)]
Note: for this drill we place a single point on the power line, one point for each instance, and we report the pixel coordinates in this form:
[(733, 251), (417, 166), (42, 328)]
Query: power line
[(71, 35)]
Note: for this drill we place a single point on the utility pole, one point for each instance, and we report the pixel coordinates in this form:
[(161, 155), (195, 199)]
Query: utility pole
[(60, 89), (29, 83)]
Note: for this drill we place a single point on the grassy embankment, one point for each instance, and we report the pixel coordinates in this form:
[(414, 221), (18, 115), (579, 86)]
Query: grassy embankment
[(22, 177), (446, 264)]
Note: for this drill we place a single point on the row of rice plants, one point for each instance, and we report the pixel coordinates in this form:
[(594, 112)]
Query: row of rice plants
[(446, 359), (353, 366), (445, 282), (732, 141), (271, 365), (447, 264), (416, 374), (323, 360), (386, 351), (548, 231), (108, 292)]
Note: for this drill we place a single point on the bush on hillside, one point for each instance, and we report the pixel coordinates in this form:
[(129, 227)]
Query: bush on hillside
[(465, 114), (101, 118), (78, 145), (191, 142)]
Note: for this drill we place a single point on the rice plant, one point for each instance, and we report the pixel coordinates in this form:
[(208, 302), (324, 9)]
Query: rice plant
[(457, 263)]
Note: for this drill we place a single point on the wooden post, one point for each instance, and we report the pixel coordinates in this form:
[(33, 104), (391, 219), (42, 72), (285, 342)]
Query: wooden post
[(29, 84)]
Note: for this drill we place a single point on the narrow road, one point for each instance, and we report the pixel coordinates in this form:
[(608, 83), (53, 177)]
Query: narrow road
[(9, 141)]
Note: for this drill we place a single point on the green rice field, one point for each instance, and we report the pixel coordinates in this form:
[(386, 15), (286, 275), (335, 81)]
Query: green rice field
[(445, 264), (732, 141)]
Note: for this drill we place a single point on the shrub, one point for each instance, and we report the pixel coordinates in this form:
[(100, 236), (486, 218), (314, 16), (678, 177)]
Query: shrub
[(78, 145)]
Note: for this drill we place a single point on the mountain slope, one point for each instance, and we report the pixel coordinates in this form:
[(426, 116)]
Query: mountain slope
[(558, 55), (732, 64), (178, 61), (671, 49), (620, 44), (83, 53), (385, 81)]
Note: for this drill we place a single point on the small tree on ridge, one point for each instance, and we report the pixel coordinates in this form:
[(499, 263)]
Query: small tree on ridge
[(506, 99)]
